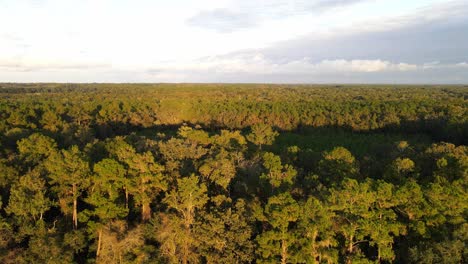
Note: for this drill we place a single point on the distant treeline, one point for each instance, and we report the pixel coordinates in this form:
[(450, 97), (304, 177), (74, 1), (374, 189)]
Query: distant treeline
[(111, 109)]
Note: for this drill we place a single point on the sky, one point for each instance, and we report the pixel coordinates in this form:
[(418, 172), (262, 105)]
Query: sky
[(243, 41)]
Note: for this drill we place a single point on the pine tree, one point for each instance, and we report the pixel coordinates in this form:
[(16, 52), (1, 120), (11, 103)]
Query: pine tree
[(224, 233), (277, 175), (35, 148), (104, 196), (68, 174), (262, 134), (316, 232), (175, 228), (278, 241), (336, 165), (146, 181), (351, 204), (28, 200)]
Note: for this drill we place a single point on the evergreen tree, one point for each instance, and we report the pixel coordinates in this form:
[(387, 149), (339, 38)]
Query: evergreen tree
[(317, 235), (277, 243), (336, 165), (28, 200), (35, 148), (351, 204), (262, 134), (104, 196), (224, 234), (146, 181), (69, 176), (174, 232)]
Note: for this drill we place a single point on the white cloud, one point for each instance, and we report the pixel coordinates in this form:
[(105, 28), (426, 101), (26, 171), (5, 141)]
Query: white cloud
[(257, 64), (246, 67), (246, 13), (364, 66), (222, 20), (18, 64)]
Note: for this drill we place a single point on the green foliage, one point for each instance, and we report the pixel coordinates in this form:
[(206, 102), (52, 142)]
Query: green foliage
[(276, 173), (36, 148), (336, 165), (224, 235), (262, 134), (69, 176), (317, 234), (278, 241), (105, 192), (28, 201), (175, 232), (146, 181), (220, 169), (195, 173)]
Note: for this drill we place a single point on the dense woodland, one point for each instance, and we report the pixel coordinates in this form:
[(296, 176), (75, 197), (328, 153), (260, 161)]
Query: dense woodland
[(206, 173)]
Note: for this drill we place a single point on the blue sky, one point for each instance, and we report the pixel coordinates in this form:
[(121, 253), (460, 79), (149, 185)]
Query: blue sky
[(286, 41)]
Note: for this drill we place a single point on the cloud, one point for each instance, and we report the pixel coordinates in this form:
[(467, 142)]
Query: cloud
[(432, 34), (256, 67), (222, 20), (18, 64), (247, 14), (258, 64)]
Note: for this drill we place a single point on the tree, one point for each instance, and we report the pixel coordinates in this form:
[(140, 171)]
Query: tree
[(336, 165), (8, 175), (400, 170), (147, 181), (50, 120), (224, 234), (351, 204), (278, 240), (28, 201), (383, 225), (175, 229), (120, 244), (412, 206), (276, 173), (230, 140), (262, 134), (36, 148), (123, 152), (45, 245), (103, 195), (219, 169), (143, 179), (68, 174), (317, 232), (196, 136)]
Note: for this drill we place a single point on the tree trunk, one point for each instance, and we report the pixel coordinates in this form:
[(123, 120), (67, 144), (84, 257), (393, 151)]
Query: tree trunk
[(350, 247), (314, 248), (145, 212), (126, 198), (98, 251), (378, 254), (284, 252), (350, 250), (188, 234), (75, 208)]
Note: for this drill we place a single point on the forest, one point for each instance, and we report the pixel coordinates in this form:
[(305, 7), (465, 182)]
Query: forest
[(233, 173)]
